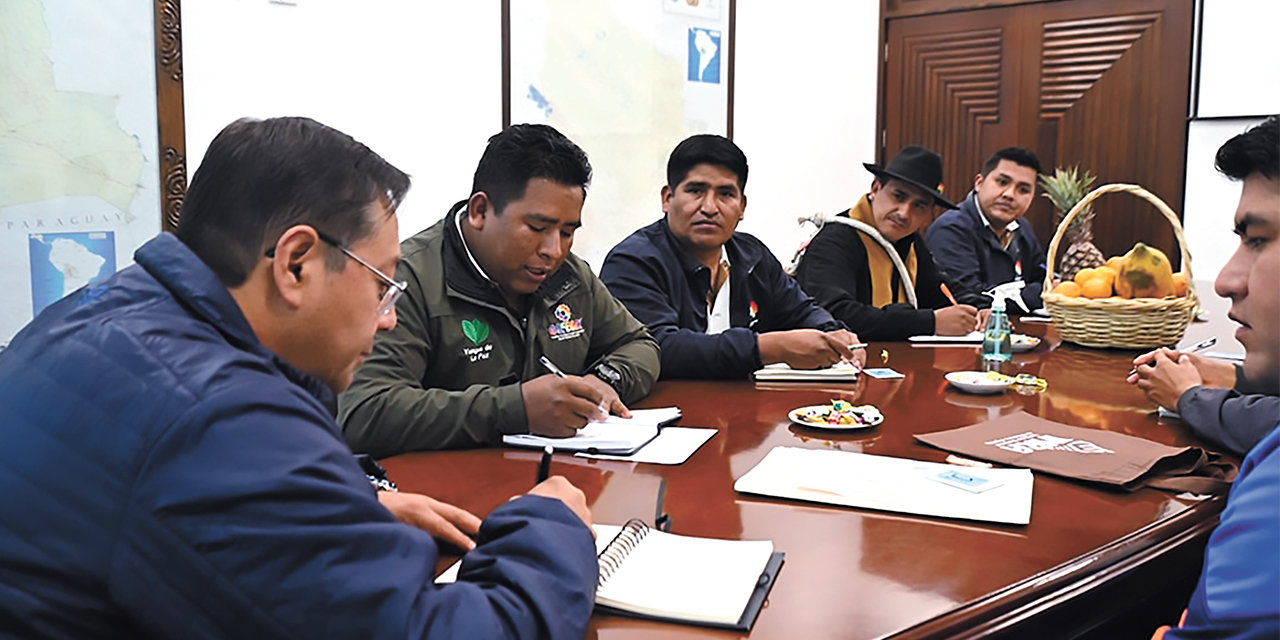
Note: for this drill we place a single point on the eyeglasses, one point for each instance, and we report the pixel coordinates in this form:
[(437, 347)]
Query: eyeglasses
[(392, 289)]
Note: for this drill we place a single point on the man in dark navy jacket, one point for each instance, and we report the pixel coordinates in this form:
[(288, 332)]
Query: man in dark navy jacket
[(169, 462), (717, 301), (985, 242)]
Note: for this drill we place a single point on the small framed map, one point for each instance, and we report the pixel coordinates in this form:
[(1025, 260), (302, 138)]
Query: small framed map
[(91, 143), (626, 80)]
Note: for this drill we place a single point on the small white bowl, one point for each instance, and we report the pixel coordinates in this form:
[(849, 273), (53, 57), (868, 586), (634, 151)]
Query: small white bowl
[(977, 382)]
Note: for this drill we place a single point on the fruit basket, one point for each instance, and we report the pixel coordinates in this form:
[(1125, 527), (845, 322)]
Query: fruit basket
[(1138, 323)]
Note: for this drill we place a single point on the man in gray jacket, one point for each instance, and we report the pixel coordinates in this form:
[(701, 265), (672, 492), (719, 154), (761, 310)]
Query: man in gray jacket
[(492, 288)]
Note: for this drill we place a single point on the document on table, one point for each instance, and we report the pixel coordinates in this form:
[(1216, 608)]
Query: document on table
[(619, 436), (673, 445), (974, 337), (780, 372), (892, 484)]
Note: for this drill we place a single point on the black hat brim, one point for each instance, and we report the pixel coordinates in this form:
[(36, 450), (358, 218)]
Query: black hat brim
[(885, 176)]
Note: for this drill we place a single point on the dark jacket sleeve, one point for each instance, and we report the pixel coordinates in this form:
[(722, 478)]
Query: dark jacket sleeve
[(621, 341), (386, 411), (254, 521), (955, 250), (686, 353), (929, 279), (789, 307), (834, 270), (1226, 417)]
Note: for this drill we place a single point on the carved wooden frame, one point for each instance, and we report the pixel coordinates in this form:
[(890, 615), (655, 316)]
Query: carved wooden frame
[(171, 122)]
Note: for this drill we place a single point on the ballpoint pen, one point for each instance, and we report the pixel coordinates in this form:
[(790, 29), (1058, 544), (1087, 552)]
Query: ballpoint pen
[(544, 465), (551, 366), (1196, 348)]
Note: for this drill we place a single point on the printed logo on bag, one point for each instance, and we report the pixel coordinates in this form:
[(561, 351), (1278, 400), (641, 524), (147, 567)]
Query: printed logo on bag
[(477, 332), (568, 327), (1031, 442)]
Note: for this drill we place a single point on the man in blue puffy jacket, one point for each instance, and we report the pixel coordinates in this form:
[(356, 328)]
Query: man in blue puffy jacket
[(1238, 596), (169, 462)]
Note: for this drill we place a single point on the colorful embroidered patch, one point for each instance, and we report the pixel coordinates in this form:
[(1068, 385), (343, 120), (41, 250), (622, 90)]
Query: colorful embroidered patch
[(568, 327)]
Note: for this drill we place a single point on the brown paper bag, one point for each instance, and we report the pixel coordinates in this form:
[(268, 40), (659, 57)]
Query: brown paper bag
[(1024, 440)]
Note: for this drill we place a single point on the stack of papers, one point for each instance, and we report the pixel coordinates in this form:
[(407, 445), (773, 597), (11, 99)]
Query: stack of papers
[(892, 484), (842, 372)]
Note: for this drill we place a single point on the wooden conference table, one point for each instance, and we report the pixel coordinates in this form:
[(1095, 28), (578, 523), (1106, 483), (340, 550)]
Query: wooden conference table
[(1088, 556)]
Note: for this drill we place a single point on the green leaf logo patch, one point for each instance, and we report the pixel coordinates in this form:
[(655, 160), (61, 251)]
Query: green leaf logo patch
[(475, 330)]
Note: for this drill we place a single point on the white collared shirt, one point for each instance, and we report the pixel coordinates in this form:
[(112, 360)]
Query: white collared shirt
[(718, 314), (1008, 231)]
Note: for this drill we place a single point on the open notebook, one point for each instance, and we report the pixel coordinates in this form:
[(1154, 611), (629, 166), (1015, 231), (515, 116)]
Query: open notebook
[(616, 436), (841, 372), (652, 574)]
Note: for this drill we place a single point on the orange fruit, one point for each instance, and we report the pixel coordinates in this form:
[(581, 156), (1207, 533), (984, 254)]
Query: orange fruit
[(1114, 263), (1106, 272), (1096, 287), (1068, 288), (1180, 284), (1083, 275)]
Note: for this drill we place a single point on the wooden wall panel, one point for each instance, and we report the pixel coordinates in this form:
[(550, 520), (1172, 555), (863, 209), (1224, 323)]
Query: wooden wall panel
[(948, 94), (1099, 83)]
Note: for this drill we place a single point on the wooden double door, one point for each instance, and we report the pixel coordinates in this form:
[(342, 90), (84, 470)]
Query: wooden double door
[(1102, 84)]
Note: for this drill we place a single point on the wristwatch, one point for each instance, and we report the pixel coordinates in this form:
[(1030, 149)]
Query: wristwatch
[(611, 376), (376, 474)]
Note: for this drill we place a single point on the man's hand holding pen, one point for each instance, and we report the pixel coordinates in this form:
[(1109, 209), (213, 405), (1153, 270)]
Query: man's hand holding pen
[(558, 404)]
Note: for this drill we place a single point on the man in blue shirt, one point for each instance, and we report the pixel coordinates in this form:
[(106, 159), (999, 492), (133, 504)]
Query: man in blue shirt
[(169, 463), (1238, 596), (717, 301)]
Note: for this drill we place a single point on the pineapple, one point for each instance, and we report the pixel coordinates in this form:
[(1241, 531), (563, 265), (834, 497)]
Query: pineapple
[(1064, 189)]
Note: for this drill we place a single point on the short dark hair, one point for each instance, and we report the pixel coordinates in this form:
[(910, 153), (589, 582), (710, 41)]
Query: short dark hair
[(260, 177), (522, 152), (706, 148), (1254, 151), (1016, 155)]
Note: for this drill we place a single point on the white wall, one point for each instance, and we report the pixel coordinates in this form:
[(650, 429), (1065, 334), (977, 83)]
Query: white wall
[(804, 111), (1239, 79), (418, 82), (1211, 199)]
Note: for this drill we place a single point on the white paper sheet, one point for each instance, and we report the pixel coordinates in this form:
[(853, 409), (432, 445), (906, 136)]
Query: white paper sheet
[(673, 445), (890, 484)]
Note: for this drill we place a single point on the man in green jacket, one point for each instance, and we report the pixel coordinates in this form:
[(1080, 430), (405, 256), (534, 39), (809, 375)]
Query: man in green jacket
[(492, 288)]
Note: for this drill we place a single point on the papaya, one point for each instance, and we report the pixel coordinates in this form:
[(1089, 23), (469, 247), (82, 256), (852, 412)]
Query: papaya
[(1144, 273)]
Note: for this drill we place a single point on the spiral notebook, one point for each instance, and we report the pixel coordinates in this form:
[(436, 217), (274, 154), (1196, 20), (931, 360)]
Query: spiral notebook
[(651, 574)]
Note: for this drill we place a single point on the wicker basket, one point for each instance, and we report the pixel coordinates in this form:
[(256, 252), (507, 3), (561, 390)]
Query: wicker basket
[(1140, 323)]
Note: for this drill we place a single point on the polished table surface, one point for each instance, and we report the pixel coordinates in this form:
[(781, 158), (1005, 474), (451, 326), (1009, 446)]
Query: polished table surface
[(1088, 553)]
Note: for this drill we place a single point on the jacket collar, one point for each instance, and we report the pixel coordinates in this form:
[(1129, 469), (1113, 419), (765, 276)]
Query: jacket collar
[(742, 257), (463, 273), (193, 284)]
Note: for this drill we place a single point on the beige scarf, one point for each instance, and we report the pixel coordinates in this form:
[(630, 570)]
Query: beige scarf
[(882, 292)]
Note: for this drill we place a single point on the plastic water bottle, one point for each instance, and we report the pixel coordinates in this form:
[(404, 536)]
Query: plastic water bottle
[(997, 345)]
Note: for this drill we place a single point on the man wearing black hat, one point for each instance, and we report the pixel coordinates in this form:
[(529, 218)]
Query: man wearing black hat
[(984, 242), (848, 271)]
